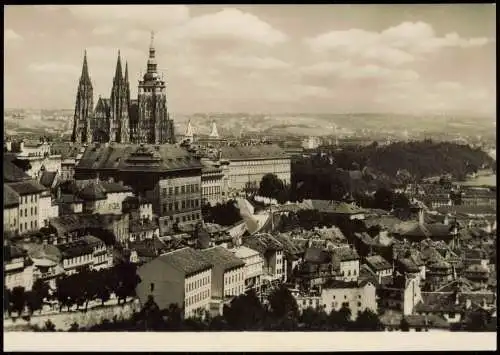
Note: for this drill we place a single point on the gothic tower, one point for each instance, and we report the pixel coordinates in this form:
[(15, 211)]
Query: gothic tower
[(119, 102), (82, 121), (154, 125)]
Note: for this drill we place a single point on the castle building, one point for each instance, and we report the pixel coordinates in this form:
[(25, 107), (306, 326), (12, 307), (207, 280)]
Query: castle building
[(119, 118)]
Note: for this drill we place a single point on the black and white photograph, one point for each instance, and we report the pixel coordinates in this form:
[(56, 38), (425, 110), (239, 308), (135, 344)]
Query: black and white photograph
[(211, 172)]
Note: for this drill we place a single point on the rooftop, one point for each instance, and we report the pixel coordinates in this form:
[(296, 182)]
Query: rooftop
[(10, 197), (186, 260), (27, 187), (12, 173), (132, 157), (221, 257), (378, 263), (266, 151)]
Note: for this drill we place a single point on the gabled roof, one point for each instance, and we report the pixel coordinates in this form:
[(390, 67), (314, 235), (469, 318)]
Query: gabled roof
[(115, 187), (317, 256), (12, 173), (27, 187), (48, 178), (345, 254), (187, 261), (92, 192), (220, 257), (377, 263), (10, 197)]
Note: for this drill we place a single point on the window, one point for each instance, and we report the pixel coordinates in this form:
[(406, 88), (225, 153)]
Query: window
[(183, 189), (152, 287), (164, 192), (359, 304), (177, 190), (170, 190), (183, 204)]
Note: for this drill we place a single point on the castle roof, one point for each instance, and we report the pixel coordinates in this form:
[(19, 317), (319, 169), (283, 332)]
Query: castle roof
[(133, 157), (260, 152)]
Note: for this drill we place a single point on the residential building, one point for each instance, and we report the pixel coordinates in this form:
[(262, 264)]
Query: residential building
[(102, 197), (357, 296), (29, 198), (179, 277), (169, 176), (272, 252), (402, 295), (48, 208), (18, 268), (228, 277), (249, 164), (381, 267), (346, 260), (10, 209), (254, 266), (39, 156), (212, 184)]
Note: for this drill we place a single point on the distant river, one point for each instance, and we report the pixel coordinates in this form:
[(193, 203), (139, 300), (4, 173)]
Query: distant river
[(489, 180)]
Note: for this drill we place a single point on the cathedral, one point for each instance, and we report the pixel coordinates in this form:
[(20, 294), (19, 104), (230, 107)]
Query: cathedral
[(118, 118)]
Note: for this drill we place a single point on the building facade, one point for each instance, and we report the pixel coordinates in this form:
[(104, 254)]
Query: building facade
[(212, 185), (29, 193), (10, 209), (248, 165), (254, 265), (359, 297), (180, 277)]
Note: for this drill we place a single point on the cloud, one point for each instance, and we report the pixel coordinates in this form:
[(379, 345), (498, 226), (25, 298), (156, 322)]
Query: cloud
[(149, 15), (231, 24), (348, 70), (11, 35), (253, 62), (54, 68), (104, 30), (396, 45), (448, 86)]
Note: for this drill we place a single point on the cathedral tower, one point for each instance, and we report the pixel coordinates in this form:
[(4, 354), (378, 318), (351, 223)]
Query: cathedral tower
[(154, 125), (82, 121), (119, 102)]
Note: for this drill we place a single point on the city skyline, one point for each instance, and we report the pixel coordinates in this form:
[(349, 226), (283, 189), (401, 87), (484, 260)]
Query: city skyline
[(409, 59)]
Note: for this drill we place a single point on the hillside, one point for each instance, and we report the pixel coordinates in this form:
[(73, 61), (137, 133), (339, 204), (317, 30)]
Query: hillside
[(421, 159)]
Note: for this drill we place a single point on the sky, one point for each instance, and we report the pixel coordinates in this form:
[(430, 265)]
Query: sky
[(409, 59)]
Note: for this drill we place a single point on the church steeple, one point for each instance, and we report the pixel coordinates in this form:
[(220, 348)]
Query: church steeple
[(85, 77), (118, 72), (152, 66), (84, 105), (125, 76)]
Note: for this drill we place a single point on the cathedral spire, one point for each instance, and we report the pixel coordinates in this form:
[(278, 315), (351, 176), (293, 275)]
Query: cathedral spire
[(85, 69), (152, 66), (125, 76), (118, 72)]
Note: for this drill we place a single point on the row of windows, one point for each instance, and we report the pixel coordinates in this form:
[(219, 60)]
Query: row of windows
[(184, 189), (24, 199), (186, 218), (184, 204), (33, 224), (198, 297), (78, 259), (33, 212), (233, 278), (265, 162), (198, 283), (335, 304), (208, 190), (345, 296), (234, 291)]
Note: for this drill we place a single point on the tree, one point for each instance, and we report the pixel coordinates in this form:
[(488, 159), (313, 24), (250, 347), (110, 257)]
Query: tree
[(245, 312), (173, 315), (368, 321), (283, 304), (49, 326), (383, 199), (74, 327), (150, 316), (341, 319), (314, 319), (404, 325), (18, 299), (7, 296), (270, 186), (34, 301)]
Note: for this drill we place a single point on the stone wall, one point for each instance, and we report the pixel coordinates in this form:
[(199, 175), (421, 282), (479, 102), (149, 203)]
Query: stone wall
[(63, 320)]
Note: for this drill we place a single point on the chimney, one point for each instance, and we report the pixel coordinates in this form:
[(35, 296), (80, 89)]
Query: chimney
[(421, 219), (446, 220), (468, 303)]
